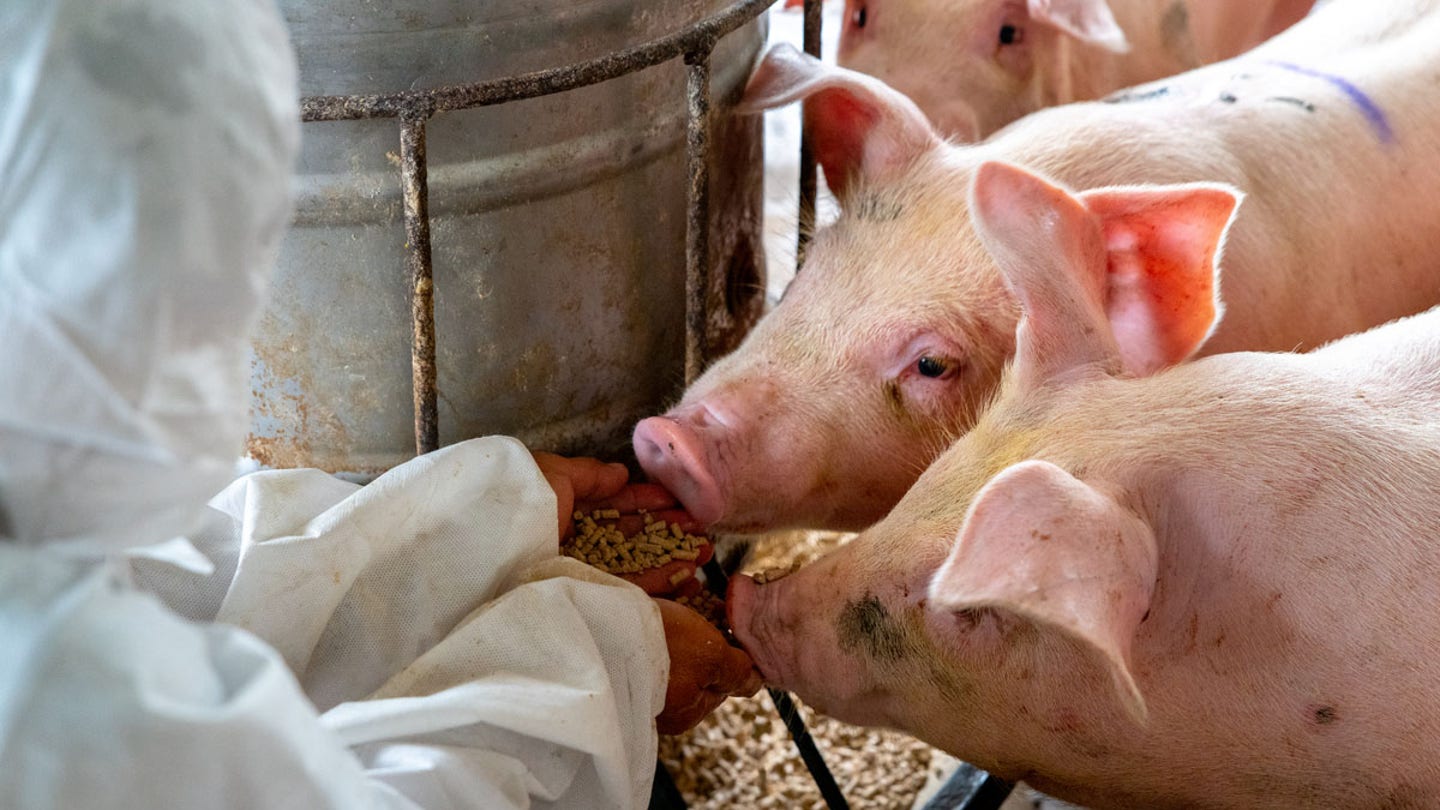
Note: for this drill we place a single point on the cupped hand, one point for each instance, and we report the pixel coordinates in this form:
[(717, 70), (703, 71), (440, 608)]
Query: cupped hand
[(667, 580), (704, 669), (578, 481), (588, 485), (638, 504)]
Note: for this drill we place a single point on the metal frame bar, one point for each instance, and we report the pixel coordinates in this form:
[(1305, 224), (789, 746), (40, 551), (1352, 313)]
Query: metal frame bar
[(414, 107), (697, 215), (813, 22), (415, 188)]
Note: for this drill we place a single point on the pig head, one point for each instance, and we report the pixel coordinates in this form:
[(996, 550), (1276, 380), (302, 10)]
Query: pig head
[(976, 65), (999, 576), (891, 340)]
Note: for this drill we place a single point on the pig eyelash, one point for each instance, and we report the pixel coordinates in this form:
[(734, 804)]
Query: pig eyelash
[(931, 367), (936, 367)]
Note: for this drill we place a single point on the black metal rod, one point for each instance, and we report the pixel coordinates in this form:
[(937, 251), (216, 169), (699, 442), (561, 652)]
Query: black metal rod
[(664, 795), (415, 191), (809, 753), (718, 582), (697, 218), (970, 788), (807, 146), (697, 38)]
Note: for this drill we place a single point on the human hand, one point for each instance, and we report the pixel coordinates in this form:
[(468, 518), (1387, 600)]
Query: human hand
[(588, 486), (578, 480), (704, 669)]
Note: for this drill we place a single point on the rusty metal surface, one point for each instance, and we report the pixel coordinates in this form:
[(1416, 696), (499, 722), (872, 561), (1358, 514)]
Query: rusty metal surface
[(558, 230), (416, 193), (697, 217), (694, 39)]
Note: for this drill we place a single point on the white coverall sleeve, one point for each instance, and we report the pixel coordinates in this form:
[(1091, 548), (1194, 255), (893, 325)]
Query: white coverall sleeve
[(108, 700), (145, 156), (462, 661), (430, 617), (413, 643)]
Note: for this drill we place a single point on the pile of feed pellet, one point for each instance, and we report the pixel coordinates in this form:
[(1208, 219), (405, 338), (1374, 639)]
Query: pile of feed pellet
[(598, 543), (605, 547), (742, 756)]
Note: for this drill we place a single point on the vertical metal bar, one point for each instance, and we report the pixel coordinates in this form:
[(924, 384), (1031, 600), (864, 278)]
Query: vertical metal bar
[(664, 795), (812, 27), (809, 752), (807, 147), (697, 220), (414, 186), (719, 583)]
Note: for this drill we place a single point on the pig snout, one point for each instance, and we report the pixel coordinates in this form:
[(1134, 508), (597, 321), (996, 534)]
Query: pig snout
[(674, 455)]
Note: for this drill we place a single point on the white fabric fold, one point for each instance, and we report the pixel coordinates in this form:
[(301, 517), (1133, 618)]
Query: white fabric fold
[(464, 664), (303, 642)]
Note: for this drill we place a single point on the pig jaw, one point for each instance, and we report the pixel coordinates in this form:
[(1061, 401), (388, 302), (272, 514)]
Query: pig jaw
[(848, 648), (783, 628)]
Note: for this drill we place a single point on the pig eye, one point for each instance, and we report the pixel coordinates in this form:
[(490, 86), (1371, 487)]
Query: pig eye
[(932, 367), (859, 18), (1010, 35)]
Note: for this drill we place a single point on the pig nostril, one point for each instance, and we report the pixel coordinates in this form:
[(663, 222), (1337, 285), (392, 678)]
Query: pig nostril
[(674, 456), (652, 453)]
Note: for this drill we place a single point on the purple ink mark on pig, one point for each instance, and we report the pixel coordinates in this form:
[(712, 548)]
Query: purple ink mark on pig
[(1368, 107)]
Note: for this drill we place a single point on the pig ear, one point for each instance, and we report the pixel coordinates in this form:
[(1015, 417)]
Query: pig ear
[(860, 126), (1162, 246), (1122, 279), (1086, 20), (1042, 545)]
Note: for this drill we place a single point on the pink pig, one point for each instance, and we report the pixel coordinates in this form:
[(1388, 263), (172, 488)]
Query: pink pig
[(974, 66), (891, 340), (1211, 587)]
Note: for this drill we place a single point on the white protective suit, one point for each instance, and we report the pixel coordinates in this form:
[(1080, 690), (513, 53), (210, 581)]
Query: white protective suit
[(302, 642)]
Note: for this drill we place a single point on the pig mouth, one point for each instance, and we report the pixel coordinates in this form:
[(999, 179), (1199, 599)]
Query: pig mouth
[(748, 604), (794, 652)]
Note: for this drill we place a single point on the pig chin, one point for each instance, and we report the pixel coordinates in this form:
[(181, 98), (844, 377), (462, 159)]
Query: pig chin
[(750, 610)]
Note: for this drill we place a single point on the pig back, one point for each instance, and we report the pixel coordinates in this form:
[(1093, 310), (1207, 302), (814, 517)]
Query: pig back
[(1325, 129), (1286, 656)]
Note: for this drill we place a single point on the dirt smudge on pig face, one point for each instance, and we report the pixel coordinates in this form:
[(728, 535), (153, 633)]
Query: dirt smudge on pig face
[(866, 627)]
